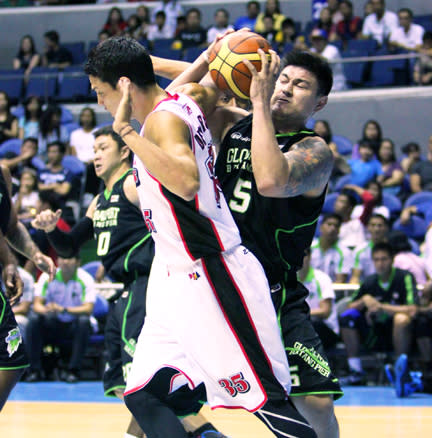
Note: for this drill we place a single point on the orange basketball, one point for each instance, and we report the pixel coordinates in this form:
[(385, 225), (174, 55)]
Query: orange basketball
[(226, 61)]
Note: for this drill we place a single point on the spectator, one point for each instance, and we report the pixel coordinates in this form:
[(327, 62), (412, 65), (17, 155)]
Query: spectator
[(50, 129), (287, 34), (423, 66), (194, 35), (17, 164), (103, 35), (366, 168), (160, 29), (181, 26), (412, 156), (272, 7), (62, 310), (374, 190), (143, 14), (253, 8), (8, 122), (325, 23), (421, 173), (55, 177), (368, 9), (327, 253), (172, 9), (28, 125), (22, 308), (115, 24), (221, 24), (27, 57), (392, 177), (319, 42), (378, 227), (372, 132), (408, 35), (321, 301), (133, 27), (379, 312), (335, 12), (269, 32), (27, 198), (380, 24), (404, 258), (350, 27), (55, 56)]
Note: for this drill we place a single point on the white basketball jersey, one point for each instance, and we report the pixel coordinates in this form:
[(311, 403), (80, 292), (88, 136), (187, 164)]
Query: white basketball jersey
[(187, 230)]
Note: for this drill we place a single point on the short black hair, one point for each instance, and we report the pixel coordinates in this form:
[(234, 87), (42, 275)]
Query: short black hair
[(288, 22), (347, 2), (319, 67), (379, 216), (407, 11), (410, 147), (253, 2), (399, 242), (223, 10), (194, 10), (93, 114), (383, 246), (160, 14), (120, 56), (60, 144), (51, 198), (33, 140), (53, 36), (328, 216), (107, 130), (351, 196), (365, 144)]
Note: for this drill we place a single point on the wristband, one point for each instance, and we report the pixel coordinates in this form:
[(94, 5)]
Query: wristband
[(122, 129), (127, 132)]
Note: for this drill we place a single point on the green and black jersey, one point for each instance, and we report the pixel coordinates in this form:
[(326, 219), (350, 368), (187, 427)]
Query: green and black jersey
[(123, 241), (276, 230)]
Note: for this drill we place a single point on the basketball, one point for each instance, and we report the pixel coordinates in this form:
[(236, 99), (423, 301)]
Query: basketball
[(226, 61)]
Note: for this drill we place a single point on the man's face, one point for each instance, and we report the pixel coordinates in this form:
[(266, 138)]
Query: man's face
[(318, 43), (404, 19), (252, 10), (366, 153), (330, 229), (49, 44), (345, 10), (382, 262), (296, 94), (193, 20), (107, 156), (68, 266), (54, 155), (377, 6), (378, 229), (107, 96), (29, 147), (221, 19), (342, 205)]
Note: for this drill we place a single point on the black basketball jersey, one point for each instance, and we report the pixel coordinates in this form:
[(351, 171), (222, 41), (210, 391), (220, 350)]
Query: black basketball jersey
[(123, 241), (276, 230), (5, 204)]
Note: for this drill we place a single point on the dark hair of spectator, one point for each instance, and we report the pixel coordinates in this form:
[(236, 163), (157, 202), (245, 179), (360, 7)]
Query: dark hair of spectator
[(53, 36), (347, 2), (27, 114), (60, 144), (379, 216), (224, 11), (34, 140), (253, 2), (161, 14), (110, 14), (375, 142), (32, 46), (328, 216), (45, 122), (288, 22), (406, 11), (93, 114), (399, 242), (410, 147), (50, 198), (393, 155), (277, 8), (120, 56), (329, 135), (8, 104), (193, 10), (350, 195), (319, 67), (379, 198), (383, 246)]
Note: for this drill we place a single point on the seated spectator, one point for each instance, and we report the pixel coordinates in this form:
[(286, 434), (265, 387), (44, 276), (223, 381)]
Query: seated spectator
[(368, 9), (22, 308), (320, 45), (372, 132), (194, 35), (55, 177), (103, 35), (404, 258), (373, 188), (408, 35), (366, 168), (50, 129), (160, 29), (327, 253), (173, 9), (16, 164), (221, 25), (325, 23), (28, 125), (380, 312), (423, 67), (62, 310), (115, 24), (253, 8), (133, 27), (8, 122), (380, 24), (143, 15), (421, 173), (27, 198), (335, 12), (272, 7), (412, 156), (321, 300), (350, 26), (391, 179), (378, 227), (27, 57), (55, 56), (287, 34), (269, 32), (181, 26)]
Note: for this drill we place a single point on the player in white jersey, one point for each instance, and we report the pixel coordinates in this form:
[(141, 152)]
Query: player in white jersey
[(208, 318)]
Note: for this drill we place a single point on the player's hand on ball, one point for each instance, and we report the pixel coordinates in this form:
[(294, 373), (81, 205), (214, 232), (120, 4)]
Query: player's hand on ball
[(124, 111), (262, 84)]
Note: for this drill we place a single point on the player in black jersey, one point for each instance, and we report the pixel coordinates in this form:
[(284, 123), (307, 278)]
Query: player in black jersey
[(274, 173), (126, 250), (13, 358)]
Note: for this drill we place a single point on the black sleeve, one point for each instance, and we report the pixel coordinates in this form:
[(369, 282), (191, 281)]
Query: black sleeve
[(68, 244)]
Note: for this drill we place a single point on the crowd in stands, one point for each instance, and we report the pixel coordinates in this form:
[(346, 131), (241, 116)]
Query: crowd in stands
[(375, 231)]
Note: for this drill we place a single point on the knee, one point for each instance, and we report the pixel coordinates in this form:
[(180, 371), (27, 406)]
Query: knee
[(401, 320), (321, 405)]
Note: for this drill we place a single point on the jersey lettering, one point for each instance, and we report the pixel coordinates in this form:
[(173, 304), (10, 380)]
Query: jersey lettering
[(211, 172), (241, 196), (103, 243), (234, 385), (148, 221)]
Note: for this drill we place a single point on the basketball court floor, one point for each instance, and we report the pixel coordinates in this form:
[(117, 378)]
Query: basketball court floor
[(57, 409)]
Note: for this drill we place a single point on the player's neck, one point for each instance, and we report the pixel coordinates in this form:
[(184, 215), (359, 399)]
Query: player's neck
[(115, 176), (145, 102), (284, 125)]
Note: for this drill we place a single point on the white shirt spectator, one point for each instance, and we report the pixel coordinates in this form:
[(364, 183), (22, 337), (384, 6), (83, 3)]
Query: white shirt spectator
[(320, 287), (380, 209), (214, 31), (380, 29), (28, 285), (352, 233), (336, 260), (154, 33), (172, 9), (363, 260), (411, 39), (331, 53), (83, 143)]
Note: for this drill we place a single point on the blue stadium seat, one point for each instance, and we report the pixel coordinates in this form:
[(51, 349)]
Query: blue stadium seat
[(101, 307), (415, 229), (77, 51), (42, 82), (387, 73), (342, 182), (11, 82), (344, 144), (161, 45), (163, 82), (192, 53), (71, 126), (13, 145), (72, 163), (73, 88), (369, 45), (393, 203), (168, 53), (92, 267), (425, 21), (92, 44), (38, 163), (419, 198), (415, 247), (329, 202), (66, 115), (354, 71)]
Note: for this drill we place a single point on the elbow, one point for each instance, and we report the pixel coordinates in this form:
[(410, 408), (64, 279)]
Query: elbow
[(268, 186), (189, 191)]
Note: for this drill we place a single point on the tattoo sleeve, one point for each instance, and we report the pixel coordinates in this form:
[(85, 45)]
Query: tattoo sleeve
[(21, 240), (310, 163)]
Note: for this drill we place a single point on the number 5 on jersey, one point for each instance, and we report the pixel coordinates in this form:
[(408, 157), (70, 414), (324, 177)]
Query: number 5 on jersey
[(242, 196)]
